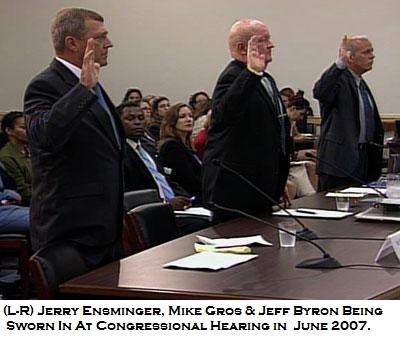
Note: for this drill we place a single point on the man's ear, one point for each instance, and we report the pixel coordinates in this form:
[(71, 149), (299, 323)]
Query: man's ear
[(242, 48), (71, 43)]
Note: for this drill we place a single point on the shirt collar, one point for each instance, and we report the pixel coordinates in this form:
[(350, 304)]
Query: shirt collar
[(74, 69), (133, 144), (356, 77)]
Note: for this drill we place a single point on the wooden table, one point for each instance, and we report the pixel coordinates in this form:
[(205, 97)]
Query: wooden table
[(272, 275)]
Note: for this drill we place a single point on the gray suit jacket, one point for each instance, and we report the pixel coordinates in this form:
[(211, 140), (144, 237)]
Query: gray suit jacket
[(340, 125)]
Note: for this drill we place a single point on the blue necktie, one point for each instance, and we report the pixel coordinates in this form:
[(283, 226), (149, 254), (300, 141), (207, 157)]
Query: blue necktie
[(368, 112), (275, 100), (103, 103), (162, 182)]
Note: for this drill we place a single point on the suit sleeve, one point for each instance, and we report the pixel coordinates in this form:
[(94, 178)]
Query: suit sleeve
[(327, 87), (232, 94), (174, 156), (51, 116)]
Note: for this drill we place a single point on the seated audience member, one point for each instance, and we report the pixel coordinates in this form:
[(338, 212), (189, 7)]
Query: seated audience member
[(13, 217), (148, 140), (301, 173), (286, 94), (198, 98), (145, 106), (175, 151), (200, 116), (200, 141), (141, 171), (160, 106), (133, 95), (15, 154)]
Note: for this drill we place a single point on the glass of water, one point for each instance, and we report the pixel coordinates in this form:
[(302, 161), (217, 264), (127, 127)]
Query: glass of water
[(286, 240), (342, 203), (393, 186)]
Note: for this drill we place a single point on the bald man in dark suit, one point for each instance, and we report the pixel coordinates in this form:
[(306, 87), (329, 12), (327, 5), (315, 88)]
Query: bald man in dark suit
[(249, 128)]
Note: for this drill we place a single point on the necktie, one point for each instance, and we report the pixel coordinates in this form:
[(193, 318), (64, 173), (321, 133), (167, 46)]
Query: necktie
[(160, 179), (278, 111), (103, 103), (368, 112)]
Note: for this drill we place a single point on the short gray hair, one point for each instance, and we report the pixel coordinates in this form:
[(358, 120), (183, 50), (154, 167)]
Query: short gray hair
[(70, 21)]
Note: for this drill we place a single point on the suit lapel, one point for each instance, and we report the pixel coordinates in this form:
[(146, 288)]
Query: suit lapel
[(96, 110)]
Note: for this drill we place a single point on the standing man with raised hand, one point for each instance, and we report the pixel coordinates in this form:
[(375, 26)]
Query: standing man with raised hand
[(351, 129), (76, 142), (249, 128)]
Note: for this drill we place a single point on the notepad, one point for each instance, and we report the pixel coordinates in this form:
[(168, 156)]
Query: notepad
[(195, 212), (313, 213), (209, 260)]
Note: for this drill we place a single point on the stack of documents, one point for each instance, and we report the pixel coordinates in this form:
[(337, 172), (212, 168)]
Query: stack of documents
[(195, 212), (219, 253)]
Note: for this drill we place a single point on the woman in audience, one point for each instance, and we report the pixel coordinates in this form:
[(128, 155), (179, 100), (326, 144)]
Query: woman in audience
[(176, 153), (200, 116), (160, 106), (303, 173), (197, 98), (133, 95), (200, 141), (15, 154), (145, 106)]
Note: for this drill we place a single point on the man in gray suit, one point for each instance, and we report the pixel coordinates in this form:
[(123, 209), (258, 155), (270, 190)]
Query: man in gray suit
[(351, 130), (76, 142)]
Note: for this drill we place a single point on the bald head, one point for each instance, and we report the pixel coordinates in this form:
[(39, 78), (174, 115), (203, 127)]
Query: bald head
[(361, 56), (240, 34)]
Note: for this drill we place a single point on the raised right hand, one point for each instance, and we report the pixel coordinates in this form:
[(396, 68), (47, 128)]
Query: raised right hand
[(90, 68), (255, 58), (344, 53)]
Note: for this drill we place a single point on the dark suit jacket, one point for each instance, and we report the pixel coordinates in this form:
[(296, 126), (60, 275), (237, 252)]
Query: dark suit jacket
[(186, 170), (77, 164), (338, 97), (244, 134), (138, 177)]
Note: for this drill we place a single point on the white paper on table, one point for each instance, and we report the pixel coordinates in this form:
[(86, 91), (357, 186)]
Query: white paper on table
[(314, 213), (236, 241), (345, 194), (209, 260), (361, 190)]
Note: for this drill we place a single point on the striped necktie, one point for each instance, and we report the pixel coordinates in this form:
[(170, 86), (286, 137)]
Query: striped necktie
[(160, 178), (368, 112), (103, 103), (278, 109)]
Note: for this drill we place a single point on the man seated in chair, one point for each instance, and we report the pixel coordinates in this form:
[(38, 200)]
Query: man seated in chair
[(141, 171)]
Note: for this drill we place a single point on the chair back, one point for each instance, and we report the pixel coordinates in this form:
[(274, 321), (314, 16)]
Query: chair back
[(17, 245), (53, 265), (132, 199), (148, 225)]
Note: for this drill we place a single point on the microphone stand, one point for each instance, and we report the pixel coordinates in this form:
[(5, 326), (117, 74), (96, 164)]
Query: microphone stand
[(305, 233), (355, 178), (325, 262)]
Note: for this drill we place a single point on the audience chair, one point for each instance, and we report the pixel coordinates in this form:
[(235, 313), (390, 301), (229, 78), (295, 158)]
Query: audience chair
[(148, 225), (53, 265), (132, 199), (17, 245)]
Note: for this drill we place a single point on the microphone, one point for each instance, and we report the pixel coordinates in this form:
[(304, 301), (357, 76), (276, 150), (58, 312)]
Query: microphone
[(311, 155), (325, 262), (304, 233)]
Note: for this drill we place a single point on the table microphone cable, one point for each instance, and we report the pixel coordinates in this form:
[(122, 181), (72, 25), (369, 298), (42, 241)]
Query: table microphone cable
[(326, 262)]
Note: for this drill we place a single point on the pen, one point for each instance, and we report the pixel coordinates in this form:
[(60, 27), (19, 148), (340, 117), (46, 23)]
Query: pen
[(306, 211)]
